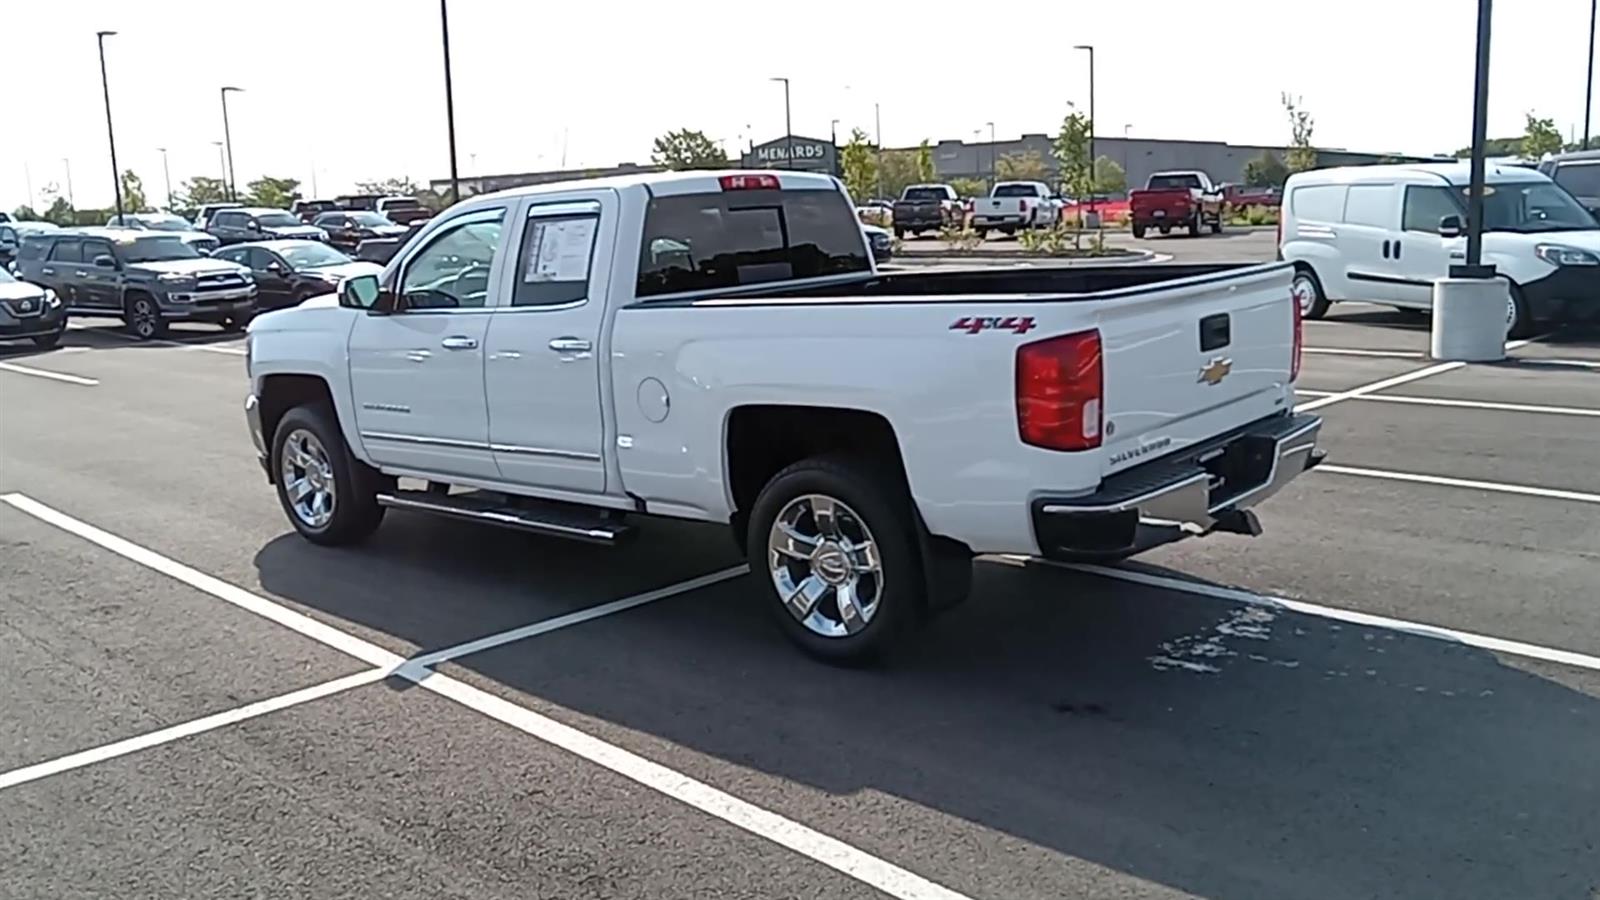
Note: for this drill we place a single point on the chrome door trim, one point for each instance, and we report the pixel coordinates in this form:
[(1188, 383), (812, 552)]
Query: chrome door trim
[(419, 439), (521, 450)]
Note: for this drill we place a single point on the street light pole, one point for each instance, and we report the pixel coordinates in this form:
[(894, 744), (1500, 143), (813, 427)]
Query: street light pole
[(227, 141), (111, 134), (166, 173), (994, 164), (449, 101), (222, 165), (1092, 157), (68, 164), (1588, 92), (788, 127), (1474, 267), (877, 137)]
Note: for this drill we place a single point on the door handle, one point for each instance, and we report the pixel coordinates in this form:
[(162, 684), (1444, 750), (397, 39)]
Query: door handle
[(1385, 249), (570, 345), (47, 271), (81, 273), (1396, 249), (459, 342), (417, 356)]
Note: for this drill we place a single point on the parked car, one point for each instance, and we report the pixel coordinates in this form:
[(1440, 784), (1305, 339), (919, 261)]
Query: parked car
[(925, 207), (308, 210), (381, 249), (146, 278), (1014, 206), (235, 226), (402, 210), (202, 218), (1579, 173), (288, 272), (879, 240), (1385, 233), (1177, 199), (196, 238), (570, 354), (11, 234), (1239, 196), (30, 312), (347, 229)]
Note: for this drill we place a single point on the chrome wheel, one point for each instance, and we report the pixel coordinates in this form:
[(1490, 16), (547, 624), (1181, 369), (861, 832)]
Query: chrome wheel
[(307, 478), (1304, 292), (143, 318), (1511, 313), (825, 565)]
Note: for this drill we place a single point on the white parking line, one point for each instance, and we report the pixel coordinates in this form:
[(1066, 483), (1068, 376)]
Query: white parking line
[(186, 345), (1420, 629), (1341, 351), (1555, 363), (1403, 378), (44, 373), (858, 864), (1445, 481), (1462, 404)]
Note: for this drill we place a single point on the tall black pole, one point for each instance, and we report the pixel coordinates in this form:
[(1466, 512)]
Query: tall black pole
[(227, 142), (449, 101), (1588, 92), (1092, 157), (1480, 126), (111, 134)]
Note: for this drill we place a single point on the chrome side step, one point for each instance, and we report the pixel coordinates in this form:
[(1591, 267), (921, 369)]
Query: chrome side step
[(575, 523)]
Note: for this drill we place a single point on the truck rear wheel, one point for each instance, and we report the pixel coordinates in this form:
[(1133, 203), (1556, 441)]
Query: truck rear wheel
[(1194, 223), (1138, 231), (329, 496), (143, 317), (834, 542), (1216, 224)]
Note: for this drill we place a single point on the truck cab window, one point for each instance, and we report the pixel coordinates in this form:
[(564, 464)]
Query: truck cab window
[(452, 271)]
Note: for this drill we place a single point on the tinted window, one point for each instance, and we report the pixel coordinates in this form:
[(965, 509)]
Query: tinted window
[(32, 247), (95, 249), (1319, 203), (369, 219), (1425, 206), (68, 250), (328, 220), (233, 254), (1581, 179), (926, 193), (452, 271), (228, 220), (1173, 182), (259, 259), (696, 242), (7, 235), (556, 258), (1016, 190), (277, 220), (1371, 205), (156, 249), (313, 255)]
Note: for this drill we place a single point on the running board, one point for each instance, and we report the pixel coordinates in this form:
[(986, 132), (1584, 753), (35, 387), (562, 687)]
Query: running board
[(573, 522)]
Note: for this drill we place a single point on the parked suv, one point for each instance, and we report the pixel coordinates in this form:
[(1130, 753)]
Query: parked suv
[(145, 278), (168, 222), (308, 210), (346, 229), (11, 234), (202, 219), (235, 226), (1579, 173), (30, 311)]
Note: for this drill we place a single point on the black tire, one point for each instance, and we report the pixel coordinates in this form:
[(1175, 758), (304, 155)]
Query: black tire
[(1166, 229), (1524, 326), (1195, 223), (1305, 277), (142, 315), (355, 509), (48, 341), (1216, 224), (900, 232), (1138, 231), (871, 498)]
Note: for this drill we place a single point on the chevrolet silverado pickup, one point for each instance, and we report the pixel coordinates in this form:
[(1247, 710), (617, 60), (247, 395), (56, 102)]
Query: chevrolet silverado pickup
[(1014, 206), (718, 346), (1171, 200)]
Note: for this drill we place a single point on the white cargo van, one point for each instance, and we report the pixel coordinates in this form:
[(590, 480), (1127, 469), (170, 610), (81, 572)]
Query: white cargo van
[(1385, 233)]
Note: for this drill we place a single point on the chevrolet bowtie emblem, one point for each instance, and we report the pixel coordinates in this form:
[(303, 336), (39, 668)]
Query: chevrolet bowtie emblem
[(1216, 370)]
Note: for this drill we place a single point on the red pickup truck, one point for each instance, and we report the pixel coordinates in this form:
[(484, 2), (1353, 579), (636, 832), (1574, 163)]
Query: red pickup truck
[(1169, 200)]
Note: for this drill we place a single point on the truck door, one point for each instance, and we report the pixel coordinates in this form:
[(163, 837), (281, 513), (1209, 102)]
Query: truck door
[(542, 372), (417, 373)]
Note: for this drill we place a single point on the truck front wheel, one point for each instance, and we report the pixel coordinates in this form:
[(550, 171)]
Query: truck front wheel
[(1138, 231), (833, 541), (329, 496)]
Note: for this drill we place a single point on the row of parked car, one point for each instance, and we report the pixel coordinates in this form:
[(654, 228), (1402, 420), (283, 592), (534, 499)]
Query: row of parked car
[(152, 269)]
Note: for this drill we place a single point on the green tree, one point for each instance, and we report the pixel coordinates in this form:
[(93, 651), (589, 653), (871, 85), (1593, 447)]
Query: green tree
[(133, 199), (925, 171), (1494, 147), (969, 187), (1024, 166), (1541, 137), (1071, 150), (896, 170), (688, 149), (25, 213), (197, 191), (1266, 170), (1109, 177), (388, 187), (62, 213), (858, 161), (1302, 156), (276, 193)]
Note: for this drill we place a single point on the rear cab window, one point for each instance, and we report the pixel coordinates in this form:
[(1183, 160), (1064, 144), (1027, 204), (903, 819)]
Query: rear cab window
[(926, 193), (1017, 190), (1173, 182), (736, 238)]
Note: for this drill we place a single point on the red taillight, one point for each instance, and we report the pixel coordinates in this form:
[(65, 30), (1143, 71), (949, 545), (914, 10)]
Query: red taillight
[(1022, 206), (748, 182), (1059, 385), (1299, 338)]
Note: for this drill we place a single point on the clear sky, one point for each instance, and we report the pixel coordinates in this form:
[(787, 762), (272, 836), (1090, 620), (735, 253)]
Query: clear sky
[(353, 90)]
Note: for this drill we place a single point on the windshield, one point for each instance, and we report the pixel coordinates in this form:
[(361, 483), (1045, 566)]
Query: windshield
[(400, 203), (158, 249), (369, 219), (1171, 182), (277, 220), (927, 193), (1581, 179), (1532, 206), (5, 277), (313, 255), (165, 223)]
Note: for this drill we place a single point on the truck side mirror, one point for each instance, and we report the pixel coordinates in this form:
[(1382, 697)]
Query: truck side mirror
[(104, 261), (363, 292), (1451, 227)]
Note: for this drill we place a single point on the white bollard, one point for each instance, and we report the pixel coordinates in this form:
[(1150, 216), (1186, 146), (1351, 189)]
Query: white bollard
[(1470, 318)]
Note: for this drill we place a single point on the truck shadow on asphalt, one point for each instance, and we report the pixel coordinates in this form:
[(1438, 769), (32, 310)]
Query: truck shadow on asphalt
[(1220, 749)]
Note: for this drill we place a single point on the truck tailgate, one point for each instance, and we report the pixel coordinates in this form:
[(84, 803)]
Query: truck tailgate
[(1185, 365)]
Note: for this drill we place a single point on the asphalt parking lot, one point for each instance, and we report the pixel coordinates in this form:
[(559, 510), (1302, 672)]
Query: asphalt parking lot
[(1393, 693), (1232, 245)]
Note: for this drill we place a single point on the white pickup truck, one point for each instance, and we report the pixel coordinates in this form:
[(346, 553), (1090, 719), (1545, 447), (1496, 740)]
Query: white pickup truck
[(719, 347), (1014, 206)]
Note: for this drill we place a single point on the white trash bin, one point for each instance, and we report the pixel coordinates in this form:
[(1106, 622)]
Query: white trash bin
[(1470, 319)]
